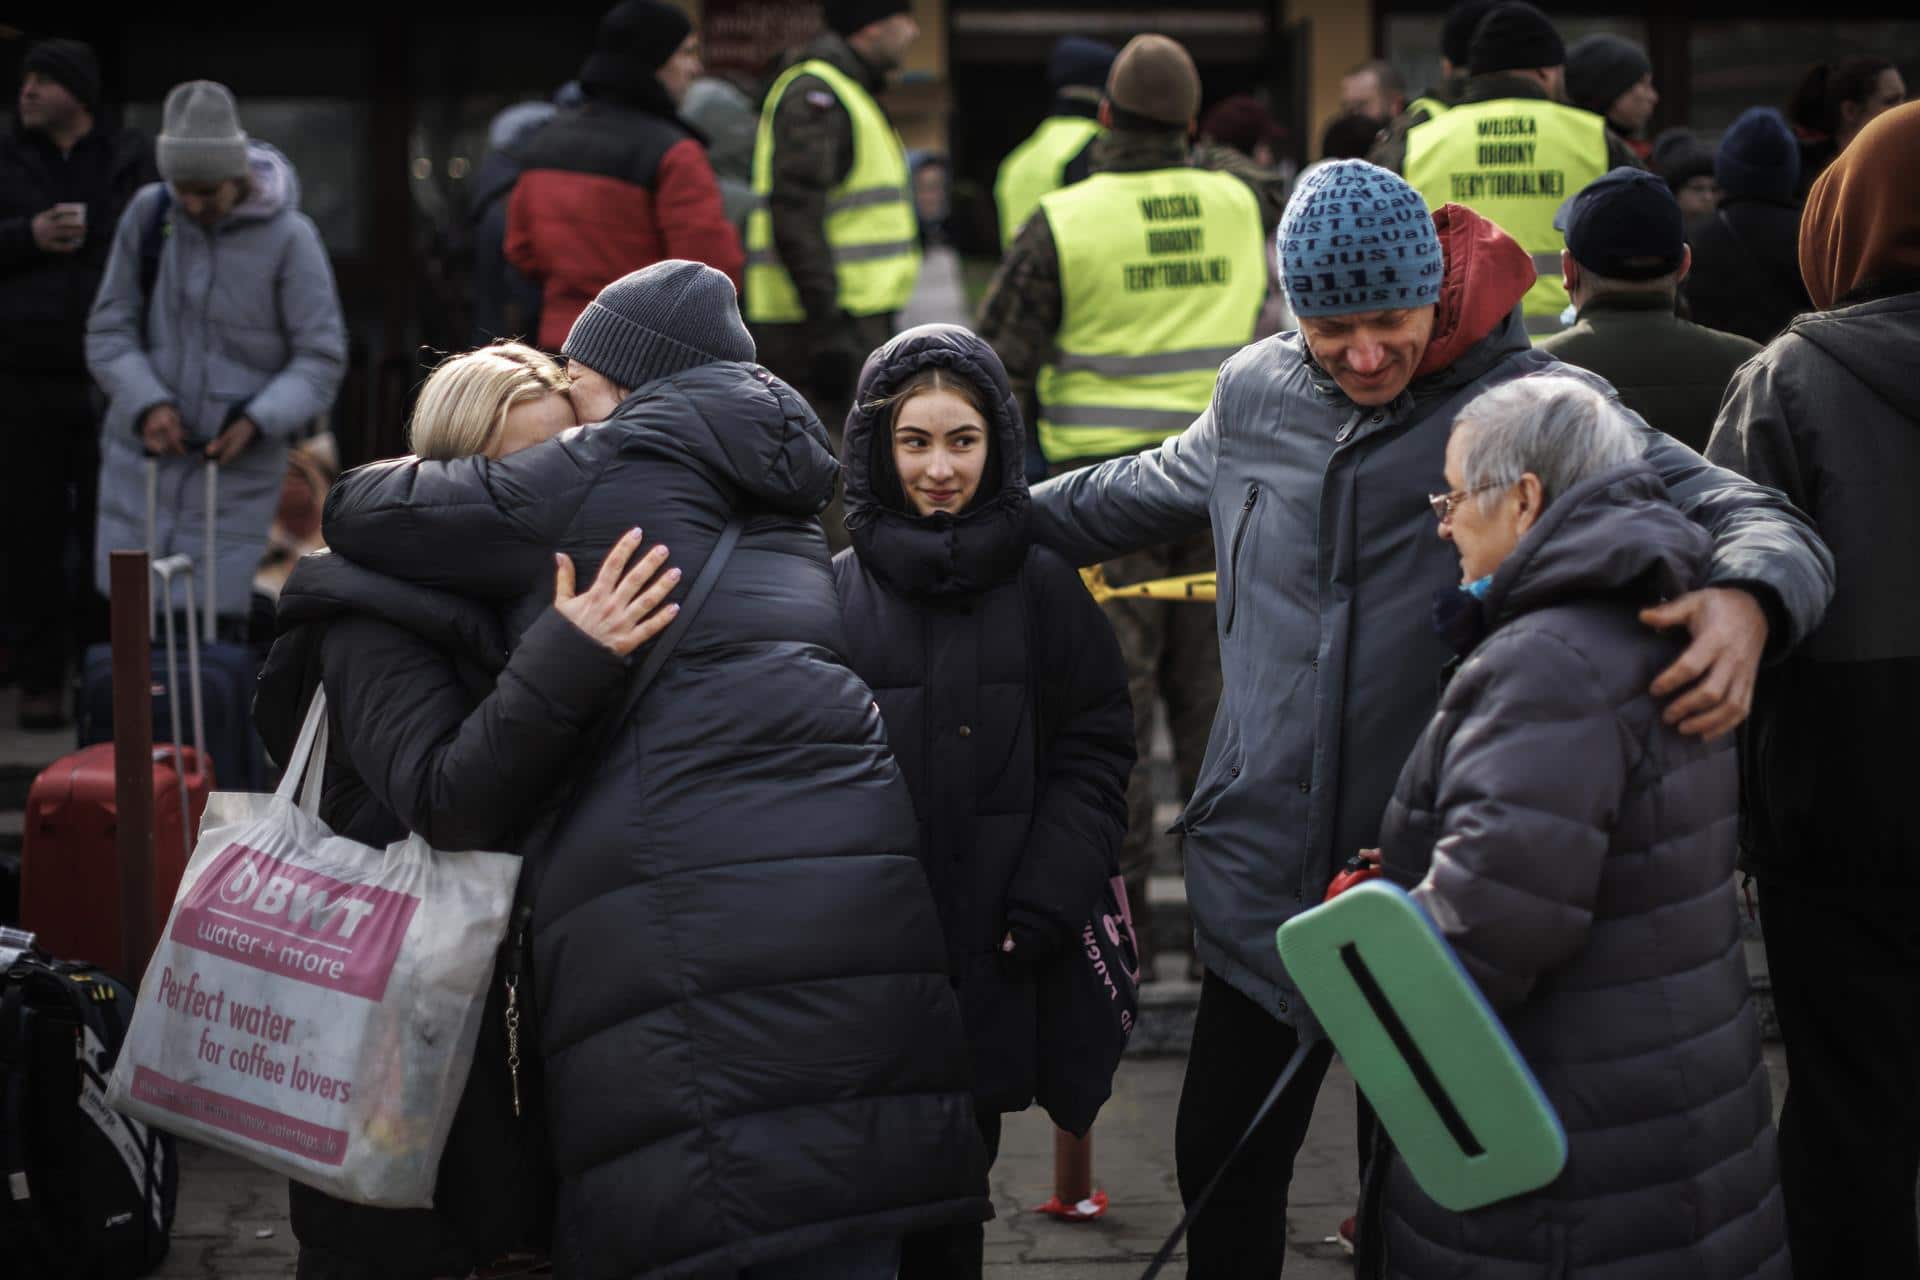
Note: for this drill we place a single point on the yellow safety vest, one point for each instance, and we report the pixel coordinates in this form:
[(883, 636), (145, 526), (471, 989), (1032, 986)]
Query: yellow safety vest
[(871, 225), (1036, 167), (1432, 106), (1513, 160), (1162, 275)]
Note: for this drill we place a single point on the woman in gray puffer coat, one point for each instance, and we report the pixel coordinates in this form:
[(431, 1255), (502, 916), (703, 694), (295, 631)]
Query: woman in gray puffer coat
[(216, 332), (1578, 855)]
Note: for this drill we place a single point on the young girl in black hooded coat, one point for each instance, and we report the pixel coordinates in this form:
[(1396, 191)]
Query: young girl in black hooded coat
[(1004, 697)]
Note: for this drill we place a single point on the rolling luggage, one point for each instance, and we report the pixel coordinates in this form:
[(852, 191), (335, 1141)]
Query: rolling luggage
[(229, 673), (68, 864)]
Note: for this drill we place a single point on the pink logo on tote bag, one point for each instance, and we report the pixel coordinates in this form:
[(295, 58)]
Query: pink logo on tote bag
[(268, 913)]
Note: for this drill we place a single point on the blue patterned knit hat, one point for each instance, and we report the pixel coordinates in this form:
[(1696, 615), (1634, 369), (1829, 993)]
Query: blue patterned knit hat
[(1356, 237)]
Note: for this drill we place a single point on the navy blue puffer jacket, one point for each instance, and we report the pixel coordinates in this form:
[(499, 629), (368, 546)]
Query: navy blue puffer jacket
[(751, 1045)]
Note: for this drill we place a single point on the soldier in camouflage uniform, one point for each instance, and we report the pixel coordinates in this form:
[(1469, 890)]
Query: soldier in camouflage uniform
[(813, 154), (1171, 649)]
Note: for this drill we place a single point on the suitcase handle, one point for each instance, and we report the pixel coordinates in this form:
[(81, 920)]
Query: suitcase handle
[(167, 570), (211, 569)]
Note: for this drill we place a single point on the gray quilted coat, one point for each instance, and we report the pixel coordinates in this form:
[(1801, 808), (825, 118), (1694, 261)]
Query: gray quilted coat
[(1579, 857), (243, 318)]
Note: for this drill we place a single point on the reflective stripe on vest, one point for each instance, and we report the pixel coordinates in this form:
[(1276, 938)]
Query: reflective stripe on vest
[(1037, 166), (1162, 275), (1512, 160), (871, 225)]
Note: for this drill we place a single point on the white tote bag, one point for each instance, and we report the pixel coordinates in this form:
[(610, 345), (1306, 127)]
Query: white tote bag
[(314, 1002)]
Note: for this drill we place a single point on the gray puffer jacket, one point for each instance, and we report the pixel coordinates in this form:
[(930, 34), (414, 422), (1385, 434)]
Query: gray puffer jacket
[(1830, 413), (243, 319), (1328, 562), (1578, 854)]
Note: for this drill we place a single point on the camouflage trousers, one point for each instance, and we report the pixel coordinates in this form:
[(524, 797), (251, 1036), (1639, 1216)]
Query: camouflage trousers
[(1173, 656)]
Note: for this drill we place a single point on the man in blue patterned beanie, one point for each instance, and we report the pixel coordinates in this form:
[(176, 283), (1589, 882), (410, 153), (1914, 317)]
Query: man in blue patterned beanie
[(1313, 467), (1361, 261)]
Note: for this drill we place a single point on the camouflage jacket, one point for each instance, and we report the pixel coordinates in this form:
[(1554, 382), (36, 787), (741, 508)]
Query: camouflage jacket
[(813, 154), (1390, 149), (1390, 152), (1021, 312)]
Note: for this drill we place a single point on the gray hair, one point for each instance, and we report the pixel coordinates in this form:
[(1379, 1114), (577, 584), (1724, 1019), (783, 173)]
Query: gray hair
[(1557, 427)]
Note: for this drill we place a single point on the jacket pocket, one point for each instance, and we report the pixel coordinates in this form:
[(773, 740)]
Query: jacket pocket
[(1233, 553)]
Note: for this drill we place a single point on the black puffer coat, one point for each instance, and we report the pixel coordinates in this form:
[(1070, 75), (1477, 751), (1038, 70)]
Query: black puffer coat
[(1578, 855), (435, 730), (751, 1046), (1746, 269), (1004, 697)]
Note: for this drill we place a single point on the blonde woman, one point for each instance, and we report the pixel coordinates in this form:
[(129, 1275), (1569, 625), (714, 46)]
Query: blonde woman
[(436, 729)]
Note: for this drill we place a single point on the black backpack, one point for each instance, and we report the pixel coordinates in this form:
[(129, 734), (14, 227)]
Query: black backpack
[(88, 1194)]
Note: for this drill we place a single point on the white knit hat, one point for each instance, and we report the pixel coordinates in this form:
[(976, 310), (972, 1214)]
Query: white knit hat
[(200, 136)]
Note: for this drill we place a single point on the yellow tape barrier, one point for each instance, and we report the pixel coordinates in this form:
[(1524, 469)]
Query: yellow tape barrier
[(1197, 588)]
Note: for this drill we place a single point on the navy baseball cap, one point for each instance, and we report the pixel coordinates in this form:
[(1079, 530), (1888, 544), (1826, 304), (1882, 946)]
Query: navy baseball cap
[(1625, 225)]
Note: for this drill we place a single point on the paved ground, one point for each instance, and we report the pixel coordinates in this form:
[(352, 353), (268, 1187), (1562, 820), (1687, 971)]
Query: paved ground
[(232, 1221), (226, 1206)]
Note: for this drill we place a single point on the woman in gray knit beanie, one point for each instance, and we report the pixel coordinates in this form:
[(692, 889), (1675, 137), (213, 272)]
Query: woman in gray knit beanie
[(202, 150)]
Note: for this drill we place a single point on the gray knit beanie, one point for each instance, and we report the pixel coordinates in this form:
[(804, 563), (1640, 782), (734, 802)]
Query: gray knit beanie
[(200, 136), (659, 320)]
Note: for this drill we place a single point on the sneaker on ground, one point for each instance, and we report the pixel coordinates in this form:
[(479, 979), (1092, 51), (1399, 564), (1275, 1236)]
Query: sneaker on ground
[(1094, 1206)]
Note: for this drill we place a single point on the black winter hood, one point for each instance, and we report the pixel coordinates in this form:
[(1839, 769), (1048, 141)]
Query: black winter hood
[(937, 555), (742, 424)]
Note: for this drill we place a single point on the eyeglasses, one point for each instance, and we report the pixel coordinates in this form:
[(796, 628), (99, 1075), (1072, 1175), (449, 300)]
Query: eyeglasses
[(1444, 503)]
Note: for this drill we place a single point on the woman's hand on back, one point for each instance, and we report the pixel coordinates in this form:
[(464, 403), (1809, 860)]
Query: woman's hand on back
[(622, 609)]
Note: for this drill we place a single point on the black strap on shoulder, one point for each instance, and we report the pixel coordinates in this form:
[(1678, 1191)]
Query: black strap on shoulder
[(670, 639), (153, 238), (1299, 1059)]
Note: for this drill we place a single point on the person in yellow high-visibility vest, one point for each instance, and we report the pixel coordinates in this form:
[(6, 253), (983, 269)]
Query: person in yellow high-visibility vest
[(1512, 150), (1456, 35), (1057, 153), (833, 241), (1114, 309)]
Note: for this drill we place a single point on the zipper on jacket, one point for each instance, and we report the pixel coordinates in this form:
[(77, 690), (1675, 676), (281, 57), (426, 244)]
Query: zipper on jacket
[(1233, 555), (513, 966)]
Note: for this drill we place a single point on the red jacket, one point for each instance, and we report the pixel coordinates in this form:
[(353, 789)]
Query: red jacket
[(607, 190)]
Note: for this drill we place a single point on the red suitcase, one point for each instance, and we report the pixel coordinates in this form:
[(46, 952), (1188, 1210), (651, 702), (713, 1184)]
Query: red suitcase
[(68, 866)]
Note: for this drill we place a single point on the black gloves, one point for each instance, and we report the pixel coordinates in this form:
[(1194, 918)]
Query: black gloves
[(1038, 938)]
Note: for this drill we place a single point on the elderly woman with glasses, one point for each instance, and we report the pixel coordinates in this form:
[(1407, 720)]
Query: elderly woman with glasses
[(1578, 855)]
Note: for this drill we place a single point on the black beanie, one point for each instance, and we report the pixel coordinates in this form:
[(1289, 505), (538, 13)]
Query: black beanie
[(1456, 34), (1515, 37), (1601, 68), (1759, 158), (1079, 61), (70, 64), (1680, 157), (671, 316), (635, 40), (844, 17)]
